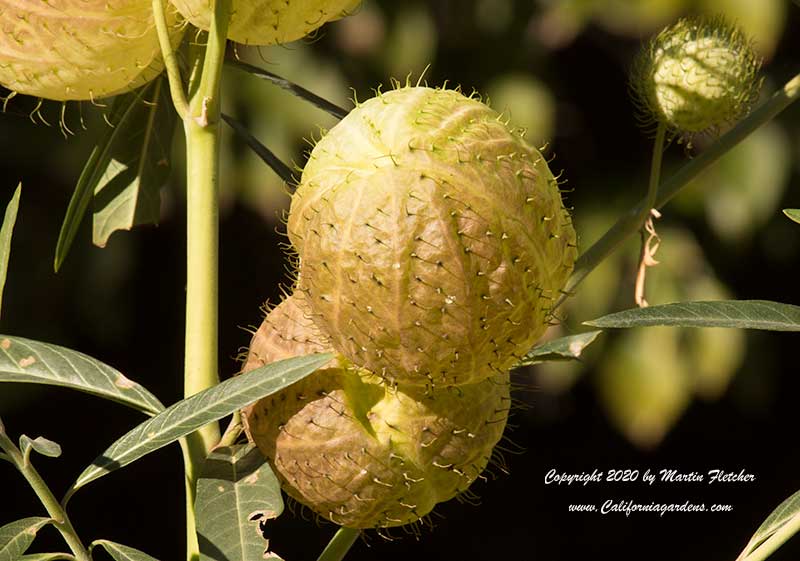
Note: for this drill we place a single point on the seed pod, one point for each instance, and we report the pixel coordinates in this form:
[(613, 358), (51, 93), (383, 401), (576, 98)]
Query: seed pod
[(79, 49), (432, 239), (358, 452), (269, 22), (696, 75)]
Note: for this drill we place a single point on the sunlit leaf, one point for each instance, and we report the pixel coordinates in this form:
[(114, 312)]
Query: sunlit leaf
[(563, 348), (122, 552), (26, 361), (190, 414), (128, 192), (47, 557), (17, 536), (742, 314), (237, 494), (793, 214), (41, 445), (5, 237), (779, 526)]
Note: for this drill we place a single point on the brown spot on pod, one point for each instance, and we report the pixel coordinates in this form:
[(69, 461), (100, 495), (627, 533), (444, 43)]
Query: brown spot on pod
[(459, 202), (362, 453)]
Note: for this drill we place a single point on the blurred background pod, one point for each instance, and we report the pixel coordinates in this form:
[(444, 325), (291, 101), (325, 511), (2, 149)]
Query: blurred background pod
[(269, 22), (80, 49)]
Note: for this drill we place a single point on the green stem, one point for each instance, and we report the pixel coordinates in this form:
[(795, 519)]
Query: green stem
[(54, 508), (655, 175), (170, 60), (339, 545), (630, 222), (201, 129)]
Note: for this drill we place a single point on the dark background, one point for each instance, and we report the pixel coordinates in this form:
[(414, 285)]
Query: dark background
[(124, 305)]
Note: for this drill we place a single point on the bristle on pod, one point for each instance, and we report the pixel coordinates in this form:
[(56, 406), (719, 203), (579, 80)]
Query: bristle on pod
[(357, 451), (269, 22), (432, 238), (80, 49)]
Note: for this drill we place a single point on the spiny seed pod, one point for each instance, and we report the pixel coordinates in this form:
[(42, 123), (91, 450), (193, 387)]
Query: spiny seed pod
[(432, 240), (79, 49), (358, 452), (696, 75), (269, 22)]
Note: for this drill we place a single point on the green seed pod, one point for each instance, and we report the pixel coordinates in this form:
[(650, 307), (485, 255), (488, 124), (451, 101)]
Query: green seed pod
[(358, 452), (432, 239), (79, 49), (696, 75), (269, 22)]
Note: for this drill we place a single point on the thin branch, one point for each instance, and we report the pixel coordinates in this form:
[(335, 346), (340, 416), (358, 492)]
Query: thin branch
[(170, 60)]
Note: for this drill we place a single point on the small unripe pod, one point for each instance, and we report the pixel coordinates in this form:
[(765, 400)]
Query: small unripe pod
[(79, 49), (432, 239), (358, 452), (696, 75), (269, 22)]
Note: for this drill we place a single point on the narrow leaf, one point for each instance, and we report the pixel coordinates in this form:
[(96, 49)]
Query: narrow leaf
[(190, 414), (121, 552), (128, 192), (267, 156), (47, 557), (793, 213), (121, 111), (237, 494), (39, 444), (26, 361), (283, 83), (742, 314), (563, 348), (17, 536), (785, 517), (5, 237)]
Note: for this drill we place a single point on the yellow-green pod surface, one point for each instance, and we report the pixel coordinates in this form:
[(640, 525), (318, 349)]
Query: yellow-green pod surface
[(269, 22), (78, 49)]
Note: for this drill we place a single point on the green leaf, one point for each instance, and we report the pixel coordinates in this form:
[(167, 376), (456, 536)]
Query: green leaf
[(237, 493), (41, 445), (26, 361), (742, 314), (17, 536), (47, 557), (779, 526), (128, 192), (283, 83), (190, 414), (793, 213), (5, 237), (116, 190), (121, 552), (563, 348)]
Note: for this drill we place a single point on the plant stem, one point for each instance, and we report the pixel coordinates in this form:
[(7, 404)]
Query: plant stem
[(629, 223), (339, 545), (170, 61), (201, 129), (54, 508)]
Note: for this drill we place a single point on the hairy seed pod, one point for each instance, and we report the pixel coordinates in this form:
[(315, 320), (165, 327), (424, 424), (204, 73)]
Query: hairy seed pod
[(269, 22), (432, 239), (79, 49), (358, 452), (696, 75)]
